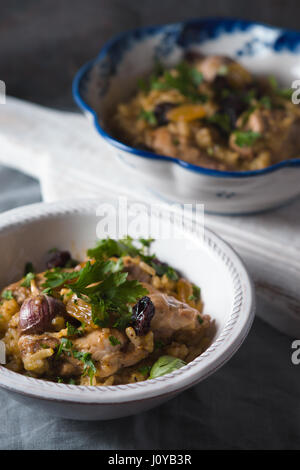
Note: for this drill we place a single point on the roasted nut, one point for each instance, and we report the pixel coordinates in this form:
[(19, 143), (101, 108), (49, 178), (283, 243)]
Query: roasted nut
[(37, 313)]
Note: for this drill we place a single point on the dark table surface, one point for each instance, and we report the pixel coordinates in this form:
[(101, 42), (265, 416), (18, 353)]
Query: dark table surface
[(253, 401)]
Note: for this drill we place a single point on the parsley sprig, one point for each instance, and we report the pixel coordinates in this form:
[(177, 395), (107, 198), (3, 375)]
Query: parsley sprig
[(108, 247), (246, 138), (107, 289), (57, 277), (186, 80)]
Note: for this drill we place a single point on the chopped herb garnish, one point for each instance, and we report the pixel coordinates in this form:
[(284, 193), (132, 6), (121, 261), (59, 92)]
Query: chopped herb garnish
[(108, 291), (125, 246), (7, 294), (59, 380), (72, 382), (73, 331), (28, 278), (200, 319), (162, 268), (89, 367), (144, 370), (113, 340), (246, 138), (148, 116), (44, 346), (158, 344), (266, 102), (283, 92), (57, 277), (186, 80), (66, 346), (222, 121), (196, 293)]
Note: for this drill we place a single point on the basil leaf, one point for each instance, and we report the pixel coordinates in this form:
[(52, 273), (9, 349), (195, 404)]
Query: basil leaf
[(165, 365)]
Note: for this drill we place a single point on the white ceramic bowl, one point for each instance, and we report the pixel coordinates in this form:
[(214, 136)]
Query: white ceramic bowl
[(111, 78), (26, 234)]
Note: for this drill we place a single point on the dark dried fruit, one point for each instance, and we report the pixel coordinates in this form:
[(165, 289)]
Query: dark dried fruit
[(37, 313), (58, 259), (142, 314), (233, 105), (193, 56), (160, 112)]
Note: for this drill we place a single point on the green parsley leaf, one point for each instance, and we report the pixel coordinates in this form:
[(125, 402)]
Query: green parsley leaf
[(107, 290), (284, 93), (197, 77), (196, 293), (65, 346), (266, 102), (73, 331), (273, 82), (57, 277), (125, 246), (185, 80), (148, 116), (246, 138), (113, 340), (158, 344), (7, 295), (28, 278), (144, 370), (89, 368), (222, 121), (200, 319), (162, 268)]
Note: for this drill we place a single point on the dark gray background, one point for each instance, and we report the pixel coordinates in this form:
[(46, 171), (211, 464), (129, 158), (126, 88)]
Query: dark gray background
[(253, 401), (44, 42)]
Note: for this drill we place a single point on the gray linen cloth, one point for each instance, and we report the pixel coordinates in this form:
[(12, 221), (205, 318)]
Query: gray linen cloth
[(250, 403)]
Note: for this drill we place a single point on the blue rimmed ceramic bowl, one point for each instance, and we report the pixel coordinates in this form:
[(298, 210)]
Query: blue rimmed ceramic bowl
[(111, 78)]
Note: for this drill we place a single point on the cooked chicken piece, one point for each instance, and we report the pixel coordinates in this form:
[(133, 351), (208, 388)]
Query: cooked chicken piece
[(135, 271), (160, 140), (279, 129), (235, 73), (210, 66), (98, 344), (111, 356), (35, 351), (29, 344), (174, 319)]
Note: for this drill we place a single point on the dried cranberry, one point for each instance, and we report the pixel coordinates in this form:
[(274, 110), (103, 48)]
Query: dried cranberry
[(160, 112), (58, 259), (142, 314)]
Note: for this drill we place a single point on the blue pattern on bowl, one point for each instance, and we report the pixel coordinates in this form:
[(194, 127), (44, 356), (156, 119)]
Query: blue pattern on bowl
[(266, 48)]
